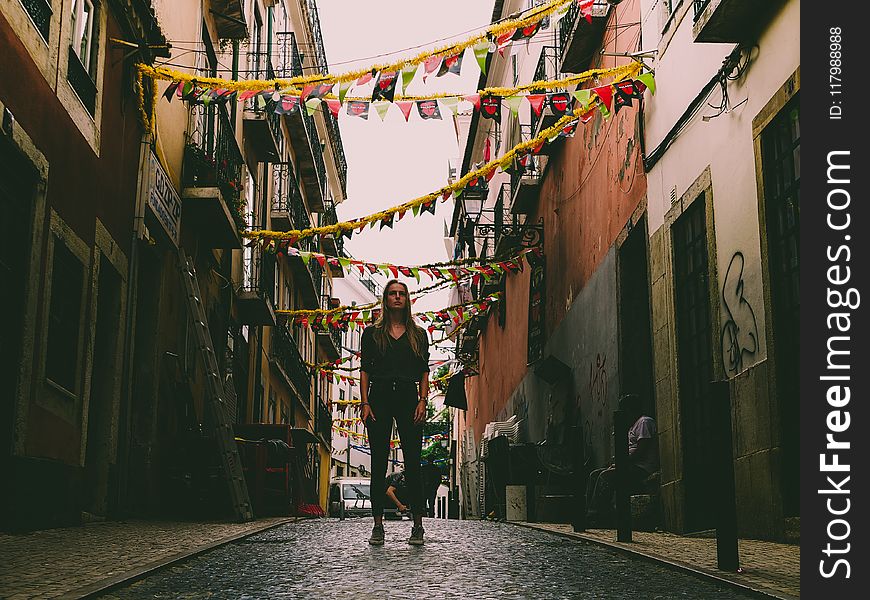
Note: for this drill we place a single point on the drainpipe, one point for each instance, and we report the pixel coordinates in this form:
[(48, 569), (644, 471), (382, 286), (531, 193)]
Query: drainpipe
[(124, 412), (235, 105)]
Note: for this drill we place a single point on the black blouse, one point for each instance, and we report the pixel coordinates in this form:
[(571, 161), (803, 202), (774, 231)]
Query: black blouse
[(398, 362)]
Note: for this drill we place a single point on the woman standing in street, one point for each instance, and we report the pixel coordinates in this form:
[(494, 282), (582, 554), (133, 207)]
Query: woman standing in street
[(394, 384)]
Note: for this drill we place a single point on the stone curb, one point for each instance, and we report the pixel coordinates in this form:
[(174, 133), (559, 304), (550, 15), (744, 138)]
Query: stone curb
[(758, 591), (104, 585)]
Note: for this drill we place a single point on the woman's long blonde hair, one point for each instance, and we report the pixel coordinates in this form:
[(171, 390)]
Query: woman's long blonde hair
[(416, 335)]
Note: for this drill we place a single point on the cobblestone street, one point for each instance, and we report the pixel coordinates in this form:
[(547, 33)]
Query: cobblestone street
[(328, 558)]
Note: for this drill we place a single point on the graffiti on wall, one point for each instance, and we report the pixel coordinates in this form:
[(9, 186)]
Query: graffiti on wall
[(740, 331), (598, 384)]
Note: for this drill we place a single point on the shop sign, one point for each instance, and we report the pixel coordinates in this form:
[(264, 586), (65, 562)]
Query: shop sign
[(163, 201)]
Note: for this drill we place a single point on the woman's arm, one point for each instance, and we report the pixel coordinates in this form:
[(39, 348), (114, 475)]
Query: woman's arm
[(365, 409), (420, 412)]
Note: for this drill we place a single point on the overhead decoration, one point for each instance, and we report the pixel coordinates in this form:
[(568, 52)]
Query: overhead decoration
[(562, 127), (354, 318), (445, 271)]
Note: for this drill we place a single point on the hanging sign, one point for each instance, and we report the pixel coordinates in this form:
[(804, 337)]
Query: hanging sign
[(163, 202), (537, 287)]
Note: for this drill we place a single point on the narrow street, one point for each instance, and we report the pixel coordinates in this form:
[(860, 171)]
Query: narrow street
[(328, 558)]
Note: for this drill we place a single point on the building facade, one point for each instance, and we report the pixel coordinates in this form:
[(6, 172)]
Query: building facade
[(723, 222), (671, 247), (108, 410)]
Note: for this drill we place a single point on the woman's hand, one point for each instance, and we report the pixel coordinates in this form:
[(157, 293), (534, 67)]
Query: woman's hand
[(367, 413), (420, 412)]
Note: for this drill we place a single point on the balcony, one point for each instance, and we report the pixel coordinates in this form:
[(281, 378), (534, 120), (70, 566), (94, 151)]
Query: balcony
[(255, 298), (526, 179), (323, 422), (262, 127), (579, 39), (331, 245), (731, 21), (302, 130), (229, 19), (284, 358), (212, 178), (40, 12), (287, 205), (501, 232), (547, 69), (329, 338)]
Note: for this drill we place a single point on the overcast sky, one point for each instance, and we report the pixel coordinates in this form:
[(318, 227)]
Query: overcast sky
[(391, 162)]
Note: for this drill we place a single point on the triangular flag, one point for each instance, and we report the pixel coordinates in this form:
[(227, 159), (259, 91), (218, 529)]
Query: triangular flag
[(306, 256), (334, 107), (343, 87), (560, 103), (586, 9), (405, 107), (311, 105), (536, 101), (490, 107), (381, 107), (481, 52), (358, 108), (408, 72), (452, 103), (649, 81), (450, 64), (583, 96), (415, 209), (170, 90), (513, 103), (430, 65), (428, 109), (387, 221), (474, 99), (605, 92), (364, 79), (385, 86)]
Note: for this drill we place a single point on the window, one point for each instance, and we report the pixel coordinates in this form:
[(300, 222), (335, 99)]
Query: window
[(82, 32), (64, 318)]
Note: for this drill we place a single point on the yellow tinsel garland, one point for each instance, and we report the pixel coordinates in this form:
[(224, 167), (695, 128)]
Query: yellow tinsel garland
[(533, 16), (337, 229)]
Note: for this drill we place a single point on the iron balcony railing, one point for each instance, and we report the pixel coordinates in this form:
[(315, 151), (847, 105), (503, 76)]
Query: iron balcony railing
[(323, 421), (287, 197), (314, 267), (566, 25), (330, 217), (547, 70), (531, 171), (699, 6), (259, 65), (212, 156), (40, 11), (334, 333), (285, 352), (322, 65), (258, 272)]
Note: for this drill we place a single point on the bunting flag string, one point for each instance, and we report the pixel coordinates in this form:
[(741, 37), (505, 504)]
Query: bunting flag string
[(272, 98), (584, 113), (351, 319), (431, 59), (449, 272), (346, 432)]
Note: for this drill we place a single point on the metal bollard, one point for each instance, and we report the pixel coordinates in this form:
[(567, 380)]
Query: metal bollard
[(623, 502)]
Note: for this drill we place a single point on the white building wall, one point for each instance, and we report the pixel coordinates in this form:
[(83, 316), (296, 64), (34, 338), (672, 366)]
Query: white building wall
[(724, 143)]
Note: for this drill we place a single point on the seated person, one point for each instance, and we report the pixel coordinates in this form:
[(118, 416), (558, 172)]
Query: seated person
[(643, 461), (397, 491)]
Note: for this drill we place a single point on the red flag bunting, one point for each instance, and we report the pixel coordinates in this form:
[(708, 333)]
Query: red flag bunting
[(405, 107)]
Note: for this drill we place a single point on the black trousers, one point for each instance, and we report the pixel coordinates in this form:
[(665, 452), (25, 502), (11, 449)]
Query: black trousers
[(397, 401)]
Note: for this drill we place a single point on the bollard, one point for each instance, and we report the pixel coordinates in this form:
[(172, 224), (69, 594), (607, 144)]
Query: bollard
[(623, 502), (576, 445), (727, 554)]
